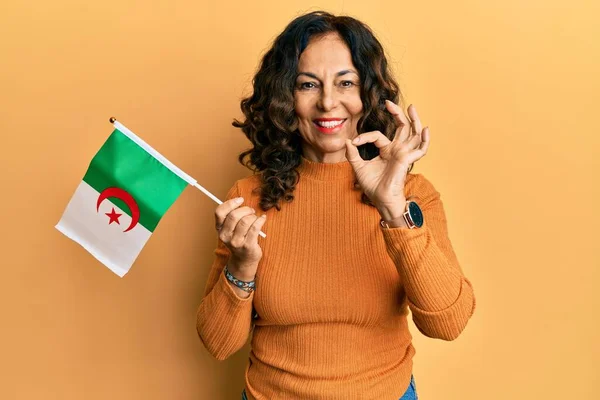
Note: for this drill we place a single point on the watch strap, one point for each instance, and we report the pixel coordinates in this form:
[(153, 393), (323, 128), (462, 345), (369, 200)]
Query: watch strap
[(405, 215)]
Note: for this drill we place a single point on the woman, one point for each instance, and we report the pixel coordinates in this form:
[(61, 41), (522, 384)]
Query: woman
[(354, 239)]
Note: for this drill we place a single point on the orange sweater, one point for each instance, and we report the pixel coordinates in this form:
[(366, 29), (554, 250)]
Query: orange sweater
[(333, 291)]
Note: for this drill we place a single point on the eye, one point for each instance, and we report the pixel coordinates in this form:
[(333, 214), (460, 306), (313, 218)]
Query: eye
[(306, 85), (347, 83)]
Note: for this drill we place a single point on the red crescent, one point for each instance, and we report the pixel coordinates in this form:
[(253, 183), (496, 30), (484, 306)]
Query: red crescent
[(127, 198)]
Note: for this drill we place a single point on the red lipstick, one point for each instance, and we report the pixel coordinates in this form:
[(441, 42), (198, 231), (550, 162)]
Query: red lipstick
[(329, 126)]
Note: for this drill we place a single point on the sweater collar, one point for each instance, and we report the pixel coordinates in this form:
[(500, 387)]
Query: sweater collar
[(326, 171)]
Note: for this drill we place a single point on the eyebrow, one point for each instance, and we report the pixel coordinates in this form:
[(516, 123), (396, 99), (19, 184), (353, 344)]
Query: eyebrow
[(344, 72)]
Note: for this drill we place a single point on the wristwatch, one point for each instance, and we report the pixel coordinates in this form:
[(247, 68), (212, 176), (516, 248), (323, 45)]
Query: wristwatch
[(413, 216)]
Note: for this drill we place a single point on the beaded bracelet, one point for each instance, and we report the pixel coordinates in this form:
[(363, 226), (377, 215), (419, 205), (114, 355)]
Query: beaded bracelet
[(245, 286)]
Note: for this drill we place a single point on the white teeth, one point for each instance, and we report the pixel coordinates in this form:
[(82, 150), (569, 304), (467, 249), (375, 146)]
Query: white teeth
[(329, 124)]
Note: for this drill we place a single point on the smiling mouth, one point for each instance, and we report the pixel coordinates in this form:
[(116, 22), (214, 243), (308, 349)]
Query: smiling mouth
[(329, 126)]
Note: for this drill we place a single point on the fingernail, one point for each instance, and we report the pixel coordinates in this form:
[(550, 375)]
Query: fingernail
[(356, 140), (264, 216), (239, 200)]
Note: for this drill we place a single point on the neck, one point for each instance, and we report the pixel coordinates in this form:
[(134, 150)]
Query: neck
[(323, 171), (327, 158)]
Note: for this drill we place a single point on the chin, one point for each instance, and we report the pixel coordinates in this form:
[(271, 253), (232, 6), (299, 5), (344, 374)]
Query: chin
[(333, 146), (325, 144)]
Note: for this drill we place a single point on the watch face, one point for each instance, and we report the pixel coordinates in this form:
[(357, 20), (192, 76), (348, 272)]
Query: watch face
[(415, 214)]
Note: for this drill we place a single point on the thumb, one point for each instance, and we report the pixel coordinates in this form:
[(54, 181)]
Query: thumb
[(352, 154)]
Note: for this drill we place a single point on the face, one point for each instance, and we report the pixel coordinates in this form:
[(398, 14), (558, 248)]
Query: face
[(327, 99)]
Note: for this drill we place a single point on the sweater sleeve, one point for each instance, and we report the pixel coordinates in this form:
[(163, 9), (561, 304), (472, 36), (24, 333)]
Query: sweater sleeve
[(440, 297), (223, 319)]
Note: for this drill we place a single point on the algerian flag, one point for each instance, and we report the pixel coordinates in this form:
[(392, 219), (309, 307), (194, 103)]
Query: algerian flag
[(126, 190)]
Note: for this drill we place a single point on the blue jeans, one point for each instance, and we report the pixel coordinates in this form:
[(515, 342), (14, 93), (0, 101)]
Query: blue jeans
[(410, 394)]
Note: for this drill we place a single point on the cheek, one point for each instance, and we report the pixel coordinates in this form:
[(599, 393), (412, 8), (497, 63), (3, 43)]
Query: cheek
[(302, 107), (303, 116), (354, 105), (356, 109)]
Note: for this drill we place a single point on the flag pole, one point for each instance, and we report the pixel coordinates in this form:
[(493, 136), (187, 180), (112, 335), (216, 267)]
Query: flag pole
[(166, 162)]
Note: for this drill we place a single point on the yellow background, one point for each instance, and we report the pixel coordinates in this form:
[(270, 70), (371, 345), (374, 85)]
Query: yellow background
[(509, 89)]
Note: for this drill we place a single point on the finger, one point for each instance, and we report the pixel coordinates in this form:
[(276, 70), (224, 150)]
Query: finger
[(426, 139), (414, 156), (225, 208), (414, 117), (241, 229), (231, 221), (414, 141), (397, 112), (252, 235), (421, 150), (374, 137), (403, 131), (353, 155)]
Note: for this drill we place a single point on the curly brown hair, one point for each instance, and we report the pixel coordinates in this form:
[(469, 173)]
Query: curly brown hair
[(270, 120)]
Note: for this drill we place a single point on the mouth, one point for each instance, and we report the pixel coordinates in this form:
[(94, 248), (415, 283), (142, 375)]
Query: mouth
[(329, 126)]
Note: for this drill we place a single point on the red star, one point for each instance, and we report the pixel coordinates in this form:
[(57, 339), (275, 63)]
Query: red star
[(114, 216)]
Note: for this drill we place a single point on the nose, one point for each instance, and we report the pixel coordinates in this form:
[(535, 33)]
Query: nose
[(328, 99)]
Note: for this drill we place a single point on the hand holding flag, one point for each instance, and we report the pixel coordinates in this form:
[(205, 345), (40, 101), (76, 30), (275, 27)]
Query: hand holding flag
[(133, 185)]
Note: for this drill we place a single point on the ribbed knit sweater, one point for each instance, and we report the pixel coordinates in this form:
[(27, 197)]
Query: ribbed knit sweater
[(329, 315)]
